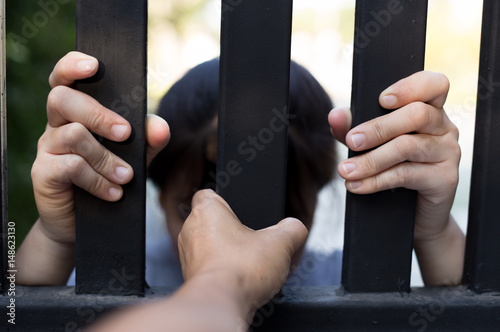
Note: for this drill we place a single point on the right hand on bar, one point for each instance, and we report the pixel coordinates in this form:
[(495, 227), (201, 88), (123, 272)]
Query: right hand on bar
[(416, 147), (68, 154)]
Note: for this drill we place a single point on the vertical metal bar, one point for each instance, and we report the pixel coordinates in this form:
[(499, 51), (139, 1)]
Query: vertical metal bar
[(110, 248), (482, 256), (389, 45), (253, 110), (3, 153)]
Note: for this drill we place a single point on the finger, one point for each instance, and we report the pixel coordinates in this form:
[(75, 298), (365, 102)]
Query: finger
[(74, 138), (416, 117), (425, 86), (74, 169), (412, 148), (73, 66), (340, 120), (65, 105), (157, 135), (408, 175)]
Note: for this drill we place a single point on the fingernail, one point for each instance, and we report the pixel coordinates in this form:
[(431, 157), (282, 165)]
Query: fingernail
[(121, 172), (349, 167), (114, 192), (354, 184), (390, 101), (358, 140), (119, 131), (86, 66)]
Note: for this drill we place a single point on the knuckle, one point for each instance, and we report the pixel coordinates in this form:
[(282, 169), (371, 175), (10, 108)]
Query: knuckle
[(73, 134), (180, 241), (35, 170), (454, 130), (74, 165), (102, 160), (370, 163), (449, 180), (443, 83), (406, 145), (97, 117), (379, 183), (97, 185), (202, 203), (453, 147), (403, 175), (453, 178), (42, 141), (54, 100), (379, 131), (420, 115)]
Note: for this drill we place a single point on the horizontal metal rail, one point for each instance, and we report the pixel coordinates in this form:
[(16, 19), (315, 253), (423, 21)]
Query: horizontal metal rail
[(51, 309)]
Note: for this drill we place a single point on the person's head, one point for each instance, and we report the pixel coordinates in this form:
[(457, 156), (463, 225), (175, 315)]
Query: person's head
[(190, 108)]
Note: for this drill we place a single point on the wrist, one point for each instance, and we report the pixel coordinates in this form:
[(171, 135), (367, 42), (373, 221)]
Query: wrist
[(441, 256), (223, 289), (43, 261), (52, 246)]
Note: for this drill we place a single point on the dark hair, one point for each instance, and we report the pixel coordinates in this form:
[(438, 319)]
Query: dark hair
[(190, 108)]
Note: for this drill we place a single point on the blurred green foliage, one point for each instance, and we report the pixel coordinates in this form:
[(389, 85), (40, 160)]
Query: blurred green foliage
[(38, 34)]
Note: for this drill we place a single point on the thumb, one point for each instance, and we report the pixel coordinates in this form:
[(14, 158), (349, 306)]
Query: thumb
[(292, 233), (157, 135), (340, 120)]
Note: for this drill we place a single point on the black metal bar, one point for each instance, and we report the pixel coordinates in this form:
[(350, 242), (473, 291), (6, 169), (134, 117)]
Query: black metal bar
[(111, 236), (389, 45), (253, 113), (3, 159), (482, 257), (49, 309)]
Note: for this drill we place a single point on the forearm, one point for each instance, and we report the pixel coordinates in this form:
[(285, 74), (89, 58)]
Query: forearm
[(41, 261), (203, 304), (441, 258)]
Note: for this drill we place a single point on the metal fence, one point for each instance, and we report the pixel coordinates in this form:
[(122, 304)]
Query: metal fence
[(254, 75)]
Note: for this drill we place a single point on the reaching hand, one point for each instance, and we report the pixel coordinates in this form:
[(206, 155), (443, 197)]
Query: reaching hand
[(214, 241), (229, 269)]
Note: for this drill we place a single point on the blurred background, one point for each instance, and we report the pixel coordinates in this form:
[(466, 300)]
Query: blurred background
[(185, 33)]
